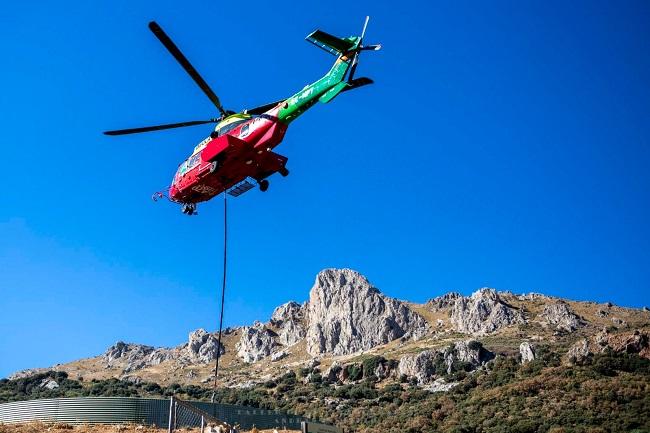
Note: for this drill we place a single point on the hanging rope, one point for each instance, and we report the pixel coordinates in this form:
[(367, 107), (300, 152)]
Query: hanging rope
[(223, 293)]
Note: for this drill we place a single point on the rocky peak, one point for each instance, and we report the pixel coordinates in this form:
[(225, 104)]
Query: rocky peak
[(483, 312), (202, 346), (289, 319), (560, 316), (126, 351), (347, 314), (256, 342), (445, 301), (287, 312)]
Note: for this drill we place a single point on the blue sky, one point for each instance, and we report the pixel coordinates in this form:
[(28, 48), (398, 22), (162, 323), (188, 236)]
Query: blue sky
[(504, 144)]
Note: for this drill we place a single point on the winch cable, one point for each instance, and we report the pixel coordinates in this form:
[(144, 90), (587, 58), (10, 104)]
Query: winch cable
[(223, 295)]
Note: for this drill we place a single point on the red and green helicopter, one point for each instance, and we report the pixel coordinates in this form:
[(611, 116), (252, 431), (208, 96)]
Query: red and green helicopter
[(239, 152)]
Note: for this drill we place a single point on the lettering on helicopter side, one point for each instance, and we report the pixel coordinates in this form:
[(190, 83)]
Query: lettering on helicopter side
[(306, 93), (204, 189)]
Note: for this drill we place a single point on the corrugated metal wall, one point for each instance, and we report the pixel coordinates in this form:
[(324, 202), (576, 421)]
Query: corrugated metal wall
[(149, 411)]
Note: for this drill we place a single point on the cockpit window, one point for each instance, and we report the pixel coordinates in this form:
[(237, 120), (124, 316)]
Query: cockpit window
[(194, 160), (232, 125), (182, 168)]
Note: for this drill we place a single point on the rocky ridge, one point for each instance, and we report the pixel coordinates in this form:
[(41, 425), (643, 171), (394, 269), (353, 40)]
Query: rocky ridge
[(348, 319), (484, 312), (201, 348)]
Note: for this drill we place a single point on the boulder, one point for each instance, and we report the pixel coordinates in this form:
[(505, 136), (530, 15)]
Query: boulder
[(440, 385), (49, 383), (465, 355), (484, 312), (527, 352), (580, 351), (421, 366), (278, 355), (561, 317), (346, 314)]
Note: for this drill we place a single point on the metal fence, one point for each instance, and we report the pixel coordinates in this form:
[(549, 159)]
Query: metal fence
[(148, 411)]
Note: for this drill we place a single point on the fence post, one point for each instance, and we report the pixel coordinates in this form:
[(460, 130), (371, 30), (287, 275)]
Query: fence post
[(202, 423), (175, 413), (172, 421)]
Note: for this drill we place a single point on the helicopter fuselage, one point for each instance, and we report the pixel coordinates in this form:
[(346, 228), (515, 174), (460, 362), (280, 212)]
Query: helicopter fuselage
[(219, 163)]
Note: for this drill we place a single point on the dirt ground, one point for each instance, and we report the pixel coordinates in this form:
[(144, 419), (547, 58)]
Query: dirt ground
[(37, 427)]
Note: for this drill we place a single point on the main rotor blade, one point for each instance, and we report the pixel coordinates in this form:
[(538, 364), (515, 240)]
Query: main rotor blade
[(159, 127), (180, 58)]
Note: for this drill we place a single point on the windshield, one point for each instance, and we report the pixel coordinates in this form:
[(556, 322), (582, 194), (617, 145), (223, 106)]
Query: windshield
[(231, 123)]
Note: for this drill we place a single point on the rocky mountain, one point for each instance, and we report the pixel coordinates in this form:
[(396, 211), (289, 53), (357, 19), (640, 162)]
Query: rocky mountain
[(348, 321), (346, 314)]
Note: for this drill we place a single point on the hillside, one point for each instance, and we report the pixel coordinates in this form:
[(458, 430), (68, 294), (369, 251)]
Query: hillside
[(353, 356)]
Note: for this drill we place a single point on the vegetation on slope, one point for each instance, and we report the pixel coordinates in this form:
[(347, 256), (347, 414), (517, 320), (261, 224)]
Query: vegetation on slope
[(608, 392)]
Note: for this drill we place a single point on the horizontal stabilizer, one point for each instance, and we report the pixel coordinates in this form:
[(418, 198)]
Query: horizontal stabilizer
[(329, 43), (358, 82)]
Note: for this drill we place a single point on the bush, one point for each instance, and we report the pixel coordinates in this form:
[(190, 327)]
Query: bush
[(370, 364), (354, 371)]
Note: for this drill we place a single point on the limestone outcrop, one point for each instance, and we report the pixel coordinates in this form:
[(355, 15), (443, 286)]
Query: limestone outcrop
[(256, 342), (484, 312), (201, 347), (561, 317), (346, 314), (527, 352), (445, 301), (430, 365), (289, 318)]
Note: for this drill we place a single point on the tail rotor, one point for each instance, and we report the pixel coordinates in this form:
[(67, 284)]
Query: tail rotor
[(361, 47)]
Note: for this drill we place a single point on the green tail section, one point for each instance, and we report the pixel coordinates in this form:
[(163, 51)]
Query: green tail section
[(328, 87), (331, 44)]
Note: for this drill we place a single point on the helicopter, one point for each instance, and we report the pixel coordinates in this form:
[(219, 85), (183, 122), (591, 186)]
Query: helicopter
[(238, 153)]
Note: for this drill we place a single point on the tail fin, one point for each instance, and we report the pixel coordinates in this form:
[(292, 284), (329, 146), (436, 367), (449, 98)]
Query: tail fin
[(332, 44)]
